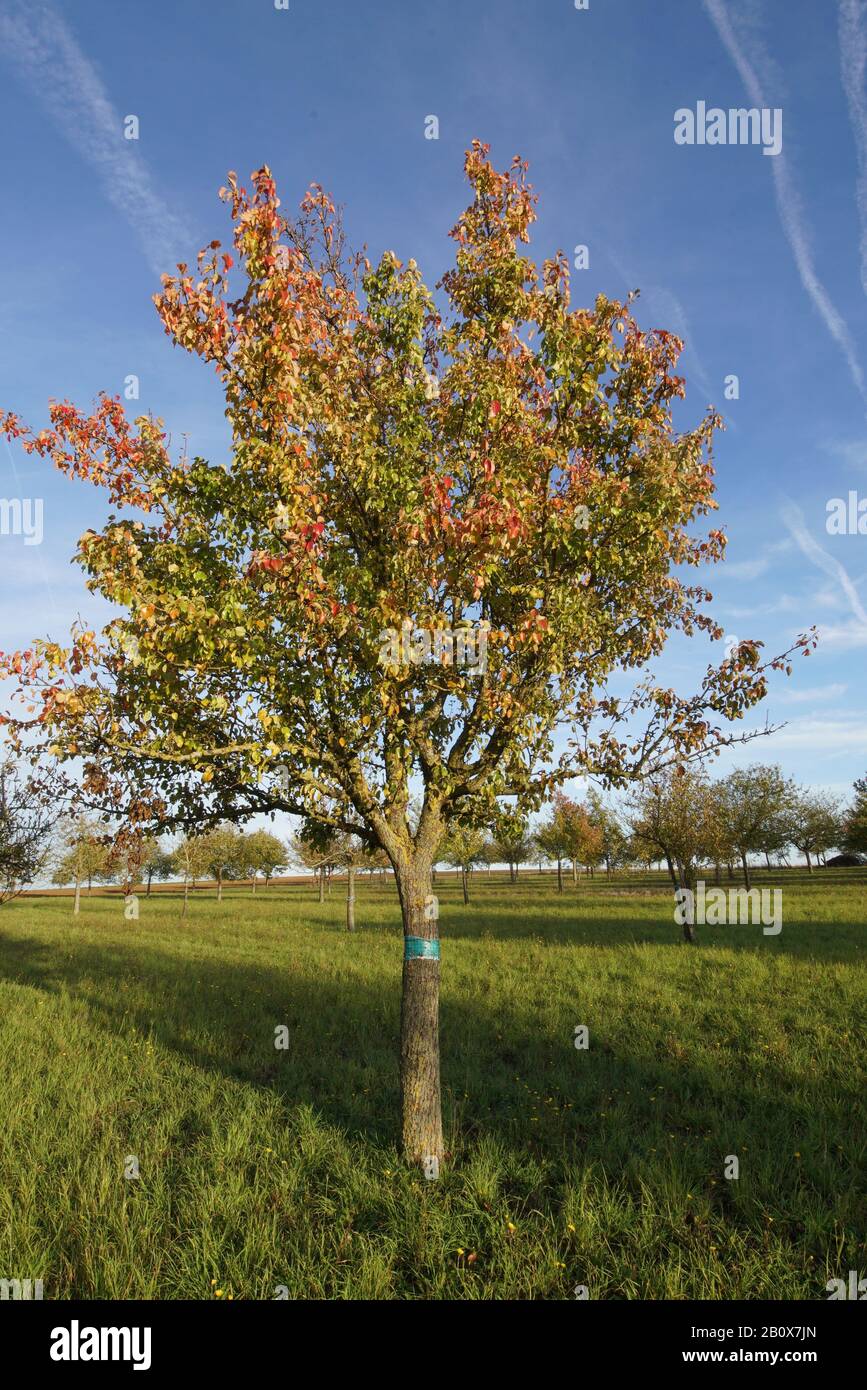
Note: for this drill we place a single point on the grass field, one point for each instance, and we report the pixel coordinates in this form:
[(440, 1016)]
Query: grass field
[(602, 1167)]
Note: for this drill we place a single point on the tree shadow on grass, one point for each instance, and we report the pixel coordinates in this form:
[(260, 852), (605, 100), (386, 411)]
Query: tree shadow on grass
[(508, 1075)]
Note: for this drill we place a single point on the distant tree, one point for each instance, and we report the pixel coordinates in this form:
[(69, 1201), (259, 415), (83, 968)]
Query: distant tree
[(349, 854), (489, 854), (855, 823), (462, 846), (260, 852), (583, 837), (157, 862), (223, 850), (675, 817), (375, 861), (512, 842), (27, 817), (84, 854), (318, 852), (754, 803), (191, 858), (815, 823), (613, 839), (553, 841)]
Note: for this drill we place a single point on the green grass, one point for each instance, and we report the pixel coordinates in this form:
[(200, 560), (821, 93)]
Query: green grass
[(603, 1167)]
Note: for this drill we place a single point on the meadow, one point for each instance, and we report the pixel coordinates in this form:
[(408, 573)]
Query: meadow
[(264, 1170)]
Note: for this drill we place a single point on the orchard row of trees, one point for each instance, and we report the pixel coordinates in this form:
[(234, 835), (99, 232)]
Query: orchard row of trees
[(88, 853), (683, 819)]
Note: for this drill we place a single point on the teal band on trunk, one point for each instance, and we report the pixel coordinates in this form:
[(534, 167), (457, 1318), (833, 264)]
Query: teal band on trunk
[(419, 948)]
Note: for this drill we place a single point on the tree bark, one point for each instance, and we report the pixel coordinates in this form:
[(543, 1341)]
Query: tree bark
[(746, 869), (350, 898), (219, 887), (464, 884), (421, 1107), (559, 875), (322, 883), (687, 877), (77, 905), (150, 877)]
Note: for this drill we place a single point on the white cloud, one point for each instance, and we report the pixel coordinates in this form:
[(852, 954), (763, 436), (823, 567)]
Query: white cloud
[(38, 43), (852, 452), (794, 520), (846, 734), (789, 203), (815, 695), (853, 65)]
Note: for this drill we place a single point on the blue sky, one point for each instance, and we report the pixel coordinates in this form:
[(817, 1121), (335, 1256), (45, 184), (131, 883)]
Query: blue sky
[(759, 262)]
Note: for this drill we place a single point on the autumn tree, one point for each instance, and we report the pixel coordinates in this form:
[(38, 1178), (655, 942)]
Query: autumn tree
[(191, 858), (613, 839), (350, 854), (583, 835), (224, 855), (552, 840), (260, 852), (815, 824), (462, 846), (855, 823), (317, 849), (674, 816), (492, 462), (28, 814), (754, 805), (156, 862), (83, 854), (512, 841)]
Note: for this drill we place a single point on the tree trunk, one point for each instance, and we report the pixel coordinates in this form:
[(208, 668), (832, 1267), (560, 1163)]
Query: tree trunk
[(809, 861), (219, 887), (322, 883), (671, 872), (350, 898), (77, 904), (186, 894), (768, 861), (559, 875), (687, 880), (419, 1021), (575, 872), (150, 876), (746, 869), (254, 883), (464, 884)]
